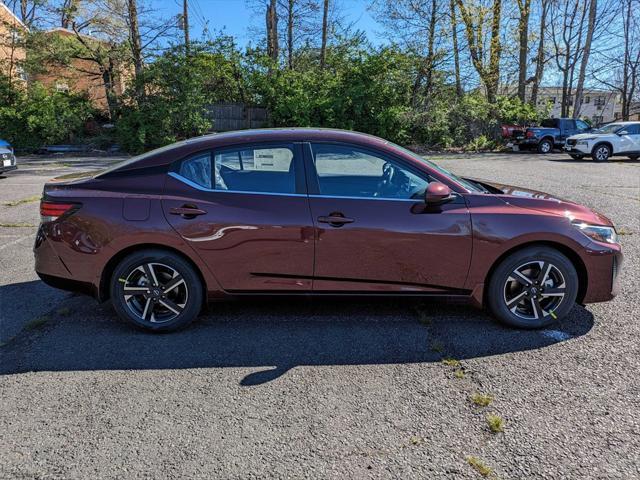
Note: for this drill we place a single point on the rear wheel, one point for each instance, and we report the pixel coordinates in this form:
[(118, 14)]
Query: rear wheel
[(545, 146), (533, 288), (576, 156), (601, 152), (156, 290)]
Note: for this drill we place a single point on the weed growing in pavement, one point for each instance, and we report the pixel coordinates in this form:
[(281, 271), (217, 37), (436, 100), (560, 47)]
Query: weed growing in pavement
[(415, 440), (451, 362), (481, 399), (437, 346), (36, 323), (479, 466), (459, 373), (495, 423), (14, 203)]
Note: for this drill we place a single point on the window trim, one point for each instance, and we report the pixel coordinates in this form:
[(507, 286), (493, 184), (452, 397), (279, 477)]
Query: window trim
[(298, 162), (313, 181)]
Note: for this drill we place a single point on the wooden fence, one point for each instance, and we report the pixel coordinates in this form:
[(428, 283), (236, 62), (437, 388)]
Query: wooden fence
[(236, 116)]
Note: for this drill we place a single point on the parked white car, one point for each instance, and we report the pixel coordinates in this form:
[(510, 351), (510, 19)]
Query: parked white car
[(614, 139)]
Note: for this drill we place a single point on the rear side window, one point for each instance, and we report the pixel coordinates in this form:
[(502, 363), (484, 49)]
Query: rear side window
[(269, 169), (632, 129), (197, 169)]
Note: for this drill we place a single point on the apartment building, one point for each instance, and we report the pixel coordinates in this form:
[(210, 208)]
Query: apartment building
[(12, 52)]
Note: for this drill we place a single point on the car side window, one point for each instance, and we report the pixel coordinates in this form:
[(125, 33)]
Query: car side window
[(197, 169), (632, 129), (582, 125), (349, 171), (269, 169)]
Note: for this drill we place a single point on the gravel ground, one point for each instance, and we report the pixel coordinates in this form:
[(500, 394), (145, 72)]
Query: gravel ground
[(344, 389)]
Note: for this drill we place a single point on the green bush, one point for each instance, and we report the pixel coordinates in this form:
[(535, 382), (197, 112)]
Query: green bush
[(35, 117)]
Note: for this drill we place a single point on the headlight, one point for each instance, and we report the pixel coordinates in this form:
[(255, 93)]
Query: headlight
[(599, 233), (584, 141)]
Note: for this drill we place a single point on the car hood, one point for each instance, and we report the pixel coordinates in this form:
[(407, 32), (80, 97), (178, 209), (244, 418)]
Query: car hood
[(545, 202)]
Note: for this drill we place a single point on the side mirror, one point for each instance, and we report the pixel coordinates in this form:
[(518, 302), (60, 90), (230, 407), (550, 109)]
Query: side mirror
[(437, 194), (623, 132)]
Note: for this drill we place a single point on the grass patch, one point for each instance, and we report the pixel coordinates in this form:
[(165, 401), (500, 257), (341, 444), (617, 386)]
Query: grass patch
[(459, 373), (15, 203), (479, 466), (623, 231), (415, 440), (495, 423), (481, 399), (36, 323), (17, 225)]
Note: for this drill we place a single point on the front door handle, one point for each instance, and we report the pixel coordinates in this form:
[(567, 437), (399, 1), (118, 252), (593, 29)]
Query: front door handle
[(335, 220), (187, 211)]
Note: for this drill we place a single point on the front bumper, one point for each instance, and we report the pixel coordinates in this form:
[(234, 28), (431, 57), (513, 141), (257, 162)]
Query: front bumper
[(603, 264), (577, 149)]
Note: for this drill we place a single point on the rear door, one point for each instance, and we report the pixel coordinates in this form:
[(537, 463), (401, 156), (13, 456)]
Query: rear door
[(245, 211), (374, 233)]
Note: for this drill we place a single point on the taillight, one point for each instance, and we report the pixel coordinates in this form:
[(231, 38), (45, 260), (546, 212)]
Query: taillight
[(531, 134), (50, 211)]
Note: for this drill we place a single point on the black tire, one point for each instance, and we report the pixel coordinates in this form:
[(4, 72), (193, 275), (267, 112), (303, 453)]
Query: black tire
[(634, 157), (576, 156), (172, 299), (560, 279), (601, 152), (545, 146)]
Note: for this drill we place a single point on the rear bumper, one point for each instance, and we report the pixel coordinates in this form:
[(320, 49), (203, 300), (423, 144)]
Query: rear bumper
[(52, 269)]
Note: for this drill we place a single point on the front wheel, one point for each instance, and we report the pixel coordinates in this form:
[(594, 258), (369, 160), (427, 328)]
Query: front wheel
[(532, 288), (601, 153), (156, 290)]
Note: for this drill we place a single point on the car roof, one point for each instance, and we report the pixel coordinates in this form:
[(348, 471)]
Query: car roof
[(183, 148)]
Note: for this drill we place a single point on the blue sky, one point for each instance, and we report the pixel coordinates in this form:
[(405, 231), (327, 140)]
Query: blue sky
[(236, 18)]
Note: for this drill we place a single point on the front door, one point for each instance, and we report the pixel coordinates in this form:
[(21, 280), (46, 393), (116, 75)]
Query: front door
[(245, 211), (374, 233), (630, 138)]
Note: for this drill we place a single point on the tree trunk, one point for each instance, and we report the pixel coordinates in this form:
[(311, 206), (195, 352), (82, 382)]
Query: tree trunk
[(290, 19), (585, 58), (540, 57), (430, 48), (489, 74), (272, 31), (323, 48), (523, 31), (456, 53), (136, 46)]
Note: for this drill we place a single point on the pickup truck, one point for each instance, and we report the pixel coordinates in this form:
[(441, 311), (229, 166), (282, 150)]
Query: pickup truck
[(552, 133)]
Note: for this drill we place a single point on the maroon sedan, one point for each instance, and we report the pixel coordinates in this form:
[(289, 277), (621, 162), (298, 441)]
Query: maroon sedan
[(313, 211)]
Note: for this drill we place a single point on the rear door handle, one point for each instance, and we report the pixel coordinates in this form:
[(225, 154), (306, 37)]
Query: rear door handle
[(187, 211), (335, 220)]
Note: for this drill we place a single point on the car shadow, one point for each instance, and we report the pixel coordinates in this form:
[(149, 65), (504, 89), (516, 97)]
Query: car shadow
[(274, 336)]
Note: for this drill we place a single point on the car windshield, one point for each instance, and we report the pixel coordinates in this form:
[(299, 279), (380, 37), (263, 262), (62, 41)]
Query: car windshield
[(611, 128), (471, 186)]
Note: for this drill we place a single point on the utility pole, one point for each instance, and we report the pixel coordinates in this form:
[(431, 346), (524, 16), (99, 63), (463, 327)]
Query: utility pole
[(185, 24)]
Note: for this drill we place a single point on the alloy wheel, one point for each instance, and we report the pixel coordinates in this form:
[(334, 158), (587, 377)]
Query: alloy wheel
[(155, 292), (534, 290), (602, 153), (545, 147)]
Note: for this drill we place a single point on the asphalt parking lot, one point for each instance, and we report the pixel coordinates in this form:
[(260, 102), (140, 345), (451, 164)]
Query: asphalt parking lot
[(304, 389)]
